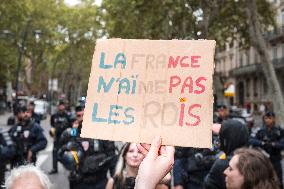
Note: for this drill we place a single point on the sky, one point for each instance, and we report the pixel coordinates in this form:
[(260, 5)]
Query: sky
[(75, 2)]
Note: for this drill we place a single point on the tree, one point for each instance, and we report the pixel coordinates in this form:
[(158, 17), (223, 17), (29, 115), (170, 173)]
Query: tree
[(59, 44), (224, 21), (256, 30)]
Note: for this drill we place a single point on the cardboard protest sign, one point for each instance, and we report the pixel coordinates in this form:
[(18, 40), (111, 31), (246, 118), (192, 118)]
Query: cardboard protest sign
[(139, 89)]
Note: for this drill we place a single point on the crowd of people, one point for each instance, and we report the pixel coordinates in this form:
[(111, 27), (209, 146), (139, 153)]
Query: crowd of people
[(240, 158)]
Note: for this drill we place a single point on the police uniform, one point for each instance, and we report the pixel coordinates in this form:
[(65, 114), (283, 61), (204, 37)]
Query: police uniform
[(27, 136), (36, 118), (271, 140), (7, 152), (59, 122), (191, 166), (233, 134), (89, 171)]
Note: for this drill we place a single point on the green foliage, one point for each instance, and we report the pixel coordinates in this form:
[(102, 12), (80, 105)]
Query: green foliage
[(59, 44), (222, 20)]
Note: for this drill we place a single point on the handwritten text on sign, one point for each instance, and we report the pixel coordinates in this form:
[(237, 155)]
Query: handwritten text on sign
[(146, 88), (128, 85)]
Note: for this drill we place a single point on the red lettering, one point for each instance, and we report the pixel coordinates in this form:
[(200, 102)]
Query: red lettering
[(193, 115), (173, 62), (200, 85), (194, 61), (174, 81), (188, 85), (182, 64), (181, 114)]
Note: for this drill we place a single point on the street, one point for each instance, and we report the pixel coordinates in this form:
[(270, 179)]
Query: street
[(44, 158)]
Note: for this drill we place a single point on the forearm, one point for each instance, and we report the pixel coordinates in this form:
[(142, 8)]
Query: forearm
[(142, 184)]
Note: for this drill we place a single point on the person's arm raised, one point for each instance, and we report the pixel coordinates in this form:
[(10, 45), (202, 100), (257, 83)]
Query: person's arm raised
[(156, 165)]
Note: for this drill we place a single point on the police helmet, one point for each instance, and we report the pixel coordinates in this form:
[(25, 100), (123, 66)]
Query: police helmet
[(71, 159)]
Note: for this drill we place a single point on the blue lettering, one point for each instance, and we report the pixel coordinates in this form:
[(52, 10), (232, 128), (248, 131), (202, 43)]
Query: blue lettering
[(130, 118), (94, 114), (124, 84), (105, 86), (102, 62), (120, 58), (113, 114)]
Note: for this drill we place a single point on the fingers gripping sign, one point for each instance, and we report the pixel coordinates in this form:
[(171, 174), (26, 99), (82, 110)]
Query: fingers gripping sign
[(156, 165)]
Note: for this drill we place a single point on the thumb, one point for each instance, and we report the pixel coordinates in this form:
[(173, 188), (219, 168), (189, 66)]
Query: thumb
[(155, 146)]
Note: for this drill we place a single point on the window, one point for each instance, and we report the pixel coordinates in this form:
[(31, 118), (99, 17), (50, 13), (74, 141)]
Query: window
[(282, 17), (248, 87), (241, 60), (231, 62), (274, 52), (265, 87), (248, 57), (255, 88), (256, 57), (282, 50)]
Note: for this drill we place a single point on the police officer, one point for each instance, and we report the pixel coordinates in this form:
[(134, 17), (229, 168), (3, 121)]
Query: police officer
[(270, 138), (233, 134), (33, 116), (59, 122), (191, 166), (28, 137), (89, 171), (7, 152)]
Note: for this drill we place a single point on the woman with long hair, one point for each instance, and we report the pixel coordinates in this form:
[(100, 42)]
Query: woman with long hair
[(250, 169), (127, 167)]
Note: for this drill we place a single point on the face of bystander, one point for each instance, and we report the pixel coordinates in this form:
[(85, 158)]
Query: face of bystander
[(223, 113), (133, 157), (234, 179), (269, 121), (61, 108), (22, 116), (80, 115)]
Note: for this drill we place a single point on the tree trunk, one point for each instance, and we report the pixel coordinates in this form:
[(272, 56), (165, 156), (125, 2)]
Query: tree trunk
[(258, 42)]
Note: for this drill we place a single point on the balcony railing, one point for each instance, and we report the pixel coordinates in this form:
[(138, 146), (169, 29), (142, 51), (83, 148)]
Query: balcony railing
[(274, 34), (256, 68)]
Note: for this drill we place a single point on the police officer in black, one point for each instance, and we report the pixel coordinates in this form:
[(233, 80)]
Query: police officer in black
[(191, 166), (270, 138), (28, 137), (87, 170), (7, 152), (34, 116), (59, 122)]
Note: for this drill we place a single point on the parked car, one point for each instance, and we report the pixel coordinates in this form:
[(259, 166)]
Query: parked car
[(41, 108)]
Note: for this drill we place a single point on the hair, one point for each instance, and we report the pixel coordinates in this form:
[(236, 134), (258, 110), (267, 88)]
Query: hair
[(119, 176), (79, 108), (269, 114), (257, 170), (32, 103), (24, 169)]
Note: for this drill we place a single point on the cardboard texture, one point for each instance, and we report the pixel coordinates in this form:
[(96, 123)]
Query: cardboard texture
[(139, 89)]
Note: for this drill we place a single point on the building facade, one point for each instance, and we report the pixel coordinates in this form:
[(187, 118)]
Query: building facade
[(241, 69)]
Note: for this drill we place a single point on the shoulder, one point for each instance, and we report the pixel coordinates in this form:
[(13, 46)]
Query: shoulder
[(220, 164), (36, 127)]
